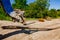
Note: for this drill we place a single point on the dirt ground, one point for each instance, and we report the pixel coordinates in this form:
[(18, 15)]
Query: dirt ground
[(48, 30)]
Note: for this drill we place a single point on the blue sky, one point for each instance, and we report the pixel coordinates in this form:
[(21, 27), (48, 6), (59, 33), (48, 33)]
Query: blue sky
[(12, 1), (29, 1), (53, 3)]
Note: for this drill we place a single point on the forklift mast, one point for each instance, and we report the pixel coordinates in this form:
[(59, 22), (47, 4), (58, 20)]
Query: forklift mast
[(6, 6), (0, 3)]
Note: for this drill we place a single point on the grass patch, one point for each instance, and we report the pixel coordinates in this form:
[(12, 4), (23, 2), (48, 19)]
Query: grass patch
[(31, 18)]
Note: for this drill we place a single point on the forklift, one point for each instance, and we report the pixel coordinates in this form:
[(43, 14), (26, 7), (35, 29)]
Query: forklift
[(7, 7)]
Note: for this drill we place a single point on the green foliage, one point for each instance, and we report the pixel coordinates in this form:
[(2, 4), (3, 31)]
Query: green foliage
[(58, 12), (20, 4), (40, 9), (37, 9), (53, 13), (3, 15)]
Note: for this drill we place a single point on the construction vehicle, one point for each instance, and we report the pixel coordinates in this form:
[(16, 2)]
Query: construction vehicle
[(8, 9)]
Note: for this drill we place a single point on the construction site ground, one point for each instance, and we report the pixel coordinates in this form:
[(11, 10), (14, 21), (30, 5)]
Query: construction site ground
[(36, 30)]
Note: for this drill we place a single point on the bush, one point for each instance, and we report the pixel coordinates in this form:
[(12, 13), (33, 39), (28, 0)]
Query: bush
[(3, 15), (48, 18)]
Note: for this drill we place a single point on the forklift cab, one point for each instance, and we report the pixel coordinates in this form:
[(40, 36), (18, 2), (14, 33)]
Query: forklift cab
[(9, 10), (7, 7)]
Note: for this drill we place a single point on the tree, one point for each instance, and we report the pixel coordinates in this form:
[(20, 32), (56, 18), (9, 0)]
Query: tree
[(20, 4), (3, 15), (37, 9), (53, 13), (58, 12)]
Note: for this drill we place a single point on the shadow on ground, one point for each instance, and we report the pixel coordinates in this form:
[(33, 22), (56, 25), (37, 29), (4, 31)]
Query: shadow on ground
[(19, 31), (15, 32)]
